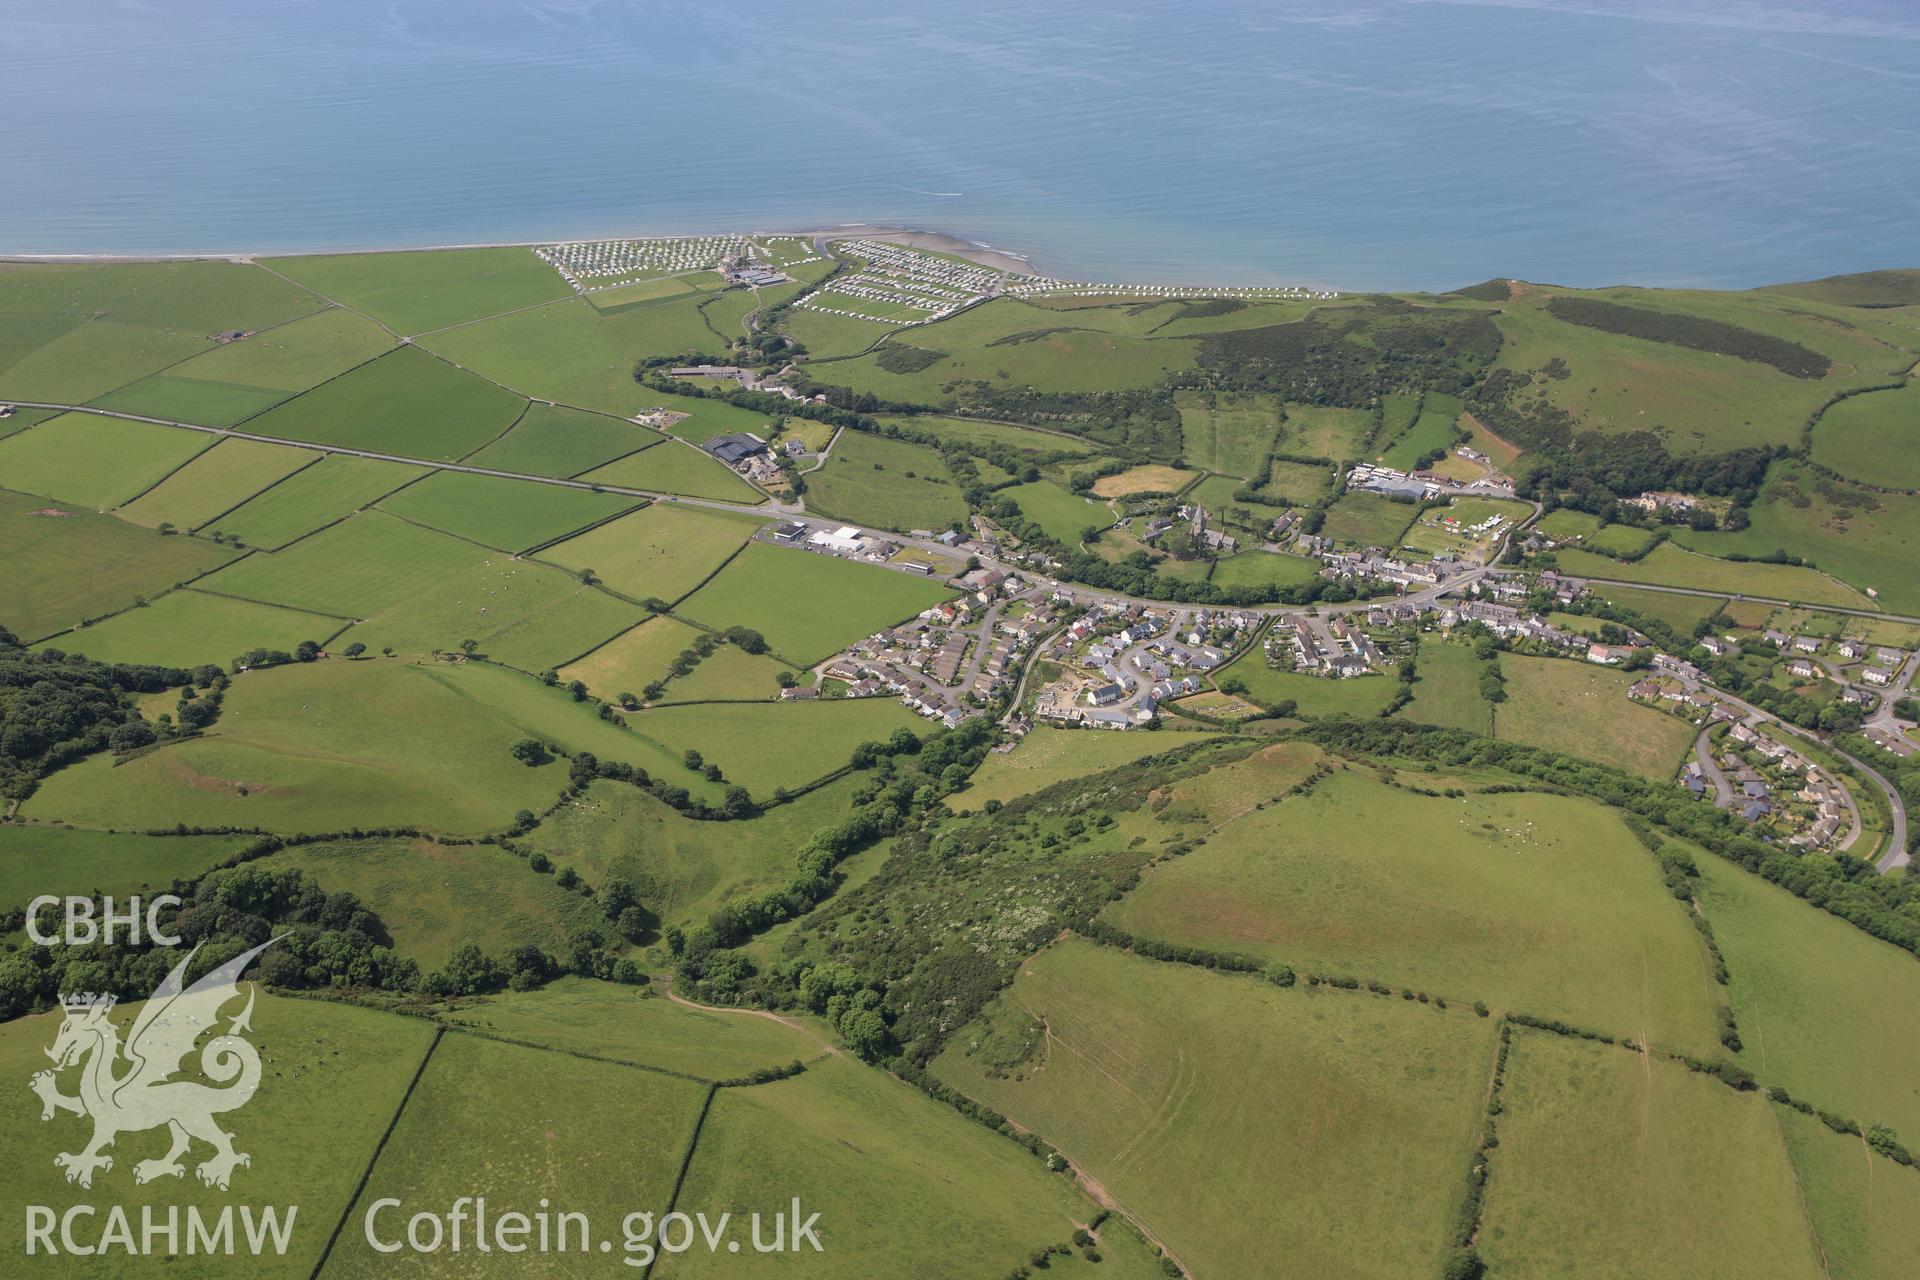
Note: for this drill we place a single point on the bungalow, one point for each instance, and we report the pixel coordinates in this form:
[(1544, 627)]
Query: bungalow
[(1804, 669), (1611, 655), (1806, 644), (1877, 675)]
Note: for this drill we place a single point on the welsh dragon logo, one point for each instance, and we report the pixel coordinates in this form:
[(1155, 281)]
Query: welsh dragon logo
[(129, 1088)]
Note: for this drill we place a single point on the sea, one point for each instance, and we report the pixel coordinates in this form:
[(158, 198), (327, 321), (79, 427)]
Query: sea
[(1406, 144)]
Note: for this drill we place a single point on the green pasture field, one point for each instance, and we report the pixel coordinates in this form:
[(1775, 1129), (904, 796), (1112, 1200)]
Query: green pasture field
[(814, 436), (1873, 437), (62, 566), (663, 550), (580, 1015), (572, 354), (1699, 402), (1865, 539), (1582, 708), (187, 628), (523, 614), (1059, 512), (1865, 1209), (214, 482), (405, 403), (991, 473), (1533, 903), (1253, 315), (672, 327), (889, 1170), (1824, 1010), (1071, 360), (1001, 319), (1048, 755), (635, 658), (21, 419), (1679, 612), (1750, 615), (354, 569), (434, 897), (510, 515), (708, 417), (1257, 568), (92, 359), (191, 296), (764, 748), (319, 1059), (729, 674), (688, 868), (179, 397), (973, 431), (59, 860), (829, 336), (320, 746), (1297, 482), (1142, 1079), (1896, 288), (1858, 340), (314, 496), (1314, 696), (551, 715), (1226, 432), (726, 312), (1620, 539), (1610, 1165), (1433, 430), (651, 289), (549, 441), (416, 292), (290, 357), (70, 332), (93, 461), (808, 606), (887, 484), (1215, 493), (1447, 691), (235, 380), (1368, 520), (1399, 410), (1315, 431), (674, 468), (595, 1138), (1669, 565), (1564, 523)]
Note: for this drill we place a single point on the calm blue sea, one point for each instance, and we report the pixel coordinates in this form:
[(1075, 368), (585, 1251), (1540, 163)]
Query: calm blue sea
[(1361, 143)]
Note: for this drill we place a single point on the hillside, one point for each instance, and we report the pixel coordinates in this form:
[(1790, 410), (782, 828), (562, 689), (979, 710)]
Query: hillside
[(1053, 777)]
